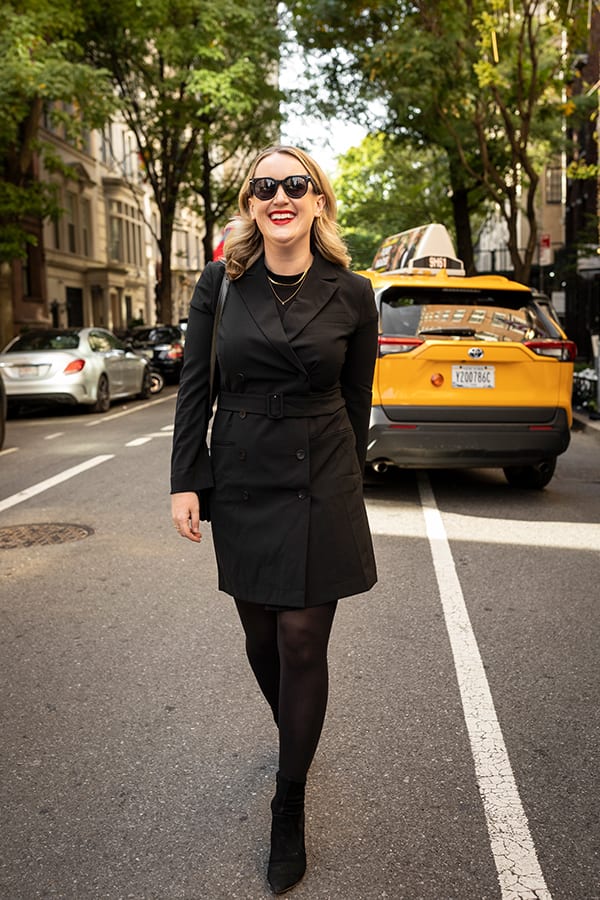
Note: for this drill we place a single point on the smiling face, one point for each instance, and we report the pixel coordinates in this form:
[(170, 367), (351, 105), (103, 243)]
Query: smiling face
[(285, 224)]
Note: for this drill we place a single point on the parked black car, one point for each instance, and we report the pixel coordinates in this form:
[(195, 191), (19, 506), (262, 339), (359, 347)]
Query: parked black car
[(162, 345)]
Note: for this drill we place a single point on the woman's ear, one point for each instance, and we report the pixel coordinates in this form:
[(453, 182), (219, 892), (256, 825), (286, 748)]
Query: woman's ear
[(319, 204)]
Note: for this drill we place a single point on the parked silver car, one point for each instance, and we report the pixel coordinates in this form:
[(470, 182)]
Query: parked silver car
[(88, 366)]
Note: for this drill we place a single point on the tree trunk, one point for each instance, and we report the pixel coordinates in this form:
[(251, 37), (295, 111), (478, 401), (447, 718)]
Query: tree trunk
[(6, 304), (164, 293), (462, 225), (206, 194)]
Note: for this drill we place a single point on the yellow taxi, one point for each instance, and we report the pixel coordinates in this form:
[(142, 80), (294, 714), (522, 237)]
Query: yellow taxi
[(471, 372)]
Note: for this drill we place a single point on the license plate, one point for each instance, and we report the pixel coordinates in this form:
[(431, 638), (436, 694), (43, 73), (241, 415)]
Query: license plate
[(26, 371), (473, 376)]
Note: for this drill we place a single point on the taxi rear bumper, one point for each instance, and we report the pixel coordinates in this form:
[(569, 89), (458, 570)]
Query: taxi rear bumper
[(462, 437)]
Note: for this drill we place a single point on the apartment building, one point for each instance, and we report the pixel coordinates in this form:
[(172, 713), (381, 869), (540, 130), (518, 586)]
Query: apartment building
[(97, 264)]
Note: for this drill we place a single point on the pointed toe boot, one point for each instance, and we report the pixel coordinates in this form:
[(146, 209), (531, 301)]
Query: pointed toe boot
[(287, 863)]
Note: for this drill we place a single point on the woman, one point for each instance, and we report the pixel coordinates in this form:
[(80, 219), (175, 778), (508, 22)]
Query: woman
[(296, 350)]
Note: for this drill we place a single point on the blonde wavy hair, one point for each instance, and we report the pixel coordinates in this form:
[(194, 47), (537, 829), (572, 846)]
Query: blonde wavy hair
[(244, 243)]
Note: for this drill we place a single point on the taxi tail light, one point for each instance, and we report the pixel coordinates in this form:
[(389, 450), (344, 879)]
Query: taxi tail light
[(565, 351), (394, 344), (76, 365), (176, 351)]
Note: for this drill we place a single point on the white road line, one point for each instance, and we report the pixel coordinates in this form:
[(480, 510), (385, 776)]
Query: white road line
[(137, 442), (50, 437), (393, 518), (8, 450), (128, 412), (519, 871), (51, 482)]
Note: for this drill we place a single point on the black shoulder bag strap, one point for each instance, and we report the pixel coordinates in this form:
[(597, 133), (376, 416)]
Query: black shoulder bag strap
[(213, 349)]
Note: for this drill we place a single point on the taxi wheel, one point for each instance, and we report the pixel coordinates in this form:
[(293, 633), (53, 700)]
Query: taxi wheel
[(533, 477)]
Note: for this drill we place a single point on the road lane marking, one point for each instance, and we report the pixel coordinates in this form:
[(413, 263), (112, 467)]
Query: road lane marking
[(385, 517), (128, 412), (51, 482), (137, 442), (519, 871), (8, 450), (50, 437)]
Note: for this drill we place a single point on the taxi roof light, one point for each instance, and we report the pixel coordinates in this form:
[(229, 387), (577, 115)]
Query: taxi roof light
[(423, 250)]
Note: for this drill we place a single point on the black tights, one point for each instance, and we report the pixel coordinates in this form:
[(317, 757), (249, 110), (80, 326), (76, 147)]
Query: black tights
[(287, 651)]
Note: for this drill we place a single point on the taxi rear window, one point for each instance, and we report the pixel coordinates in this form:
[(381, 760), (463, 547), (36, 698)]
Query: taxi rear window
[(462, 313)]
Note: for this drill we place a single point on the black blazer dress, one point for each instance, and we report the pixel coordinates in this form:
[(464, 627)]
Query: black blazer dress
[(283, 478)]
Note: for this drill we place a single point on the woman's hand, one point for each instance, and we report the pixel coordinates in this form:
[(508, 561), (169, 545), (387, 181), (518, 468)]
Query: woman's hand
[(185, 510)]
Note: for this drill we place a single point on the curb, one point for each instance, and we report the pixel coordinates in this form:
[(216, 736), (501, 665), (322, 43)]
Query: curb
[(582, 422)]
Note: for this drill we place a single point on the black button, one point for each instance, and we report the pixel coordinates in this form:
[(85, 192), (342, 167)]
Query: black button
[(245, 495), (242, 413), (242, 454), (302, 495), (300, 454)]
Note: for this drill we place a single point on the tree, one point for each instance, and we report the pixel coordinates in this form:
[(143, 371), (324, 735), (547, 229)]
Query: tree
[(382, 53), (384, 187), (41, 70), (197, 84), (481, 79)]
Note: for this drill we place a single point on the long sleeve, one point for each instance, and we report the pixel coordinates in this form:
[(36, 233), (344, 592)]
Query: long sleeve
[(190, 463), (357, 373)]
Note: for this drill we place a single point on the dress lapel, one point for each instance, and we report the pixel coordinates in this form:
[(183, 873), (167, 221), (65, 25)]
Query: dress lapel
[(256, 294), (315, 293)]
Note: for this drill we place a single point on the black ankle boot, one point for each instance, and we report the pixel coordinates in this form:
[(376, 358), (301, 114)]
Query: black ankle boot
[(287, 863)]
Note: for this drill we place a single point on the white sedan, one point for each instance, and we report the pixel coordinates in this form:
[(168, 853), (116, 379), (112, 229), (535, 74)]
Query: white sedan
[(87, 366)]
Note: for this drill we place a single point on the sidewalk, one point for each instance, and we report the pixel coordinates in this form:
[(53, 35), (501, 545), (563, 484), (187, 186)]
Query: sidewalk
[(582, 422)]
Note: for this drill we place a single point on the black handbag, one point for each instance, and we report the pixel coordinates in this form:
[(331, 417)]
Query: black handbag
[(221, 300), (205, 493)]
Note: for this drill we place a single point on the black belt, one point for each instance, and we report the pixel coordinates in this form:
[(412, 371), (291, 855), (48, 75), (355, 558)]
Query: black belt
[(283, 406)]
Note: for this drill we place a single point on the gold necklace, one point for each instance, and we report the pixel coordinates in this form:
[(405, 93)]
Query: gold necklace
[(283, 283), (288, 283)]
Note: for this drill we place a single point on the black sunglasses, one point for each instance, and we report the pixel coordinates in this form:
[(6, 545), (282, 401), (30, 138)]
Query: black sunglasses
[(295, 186)]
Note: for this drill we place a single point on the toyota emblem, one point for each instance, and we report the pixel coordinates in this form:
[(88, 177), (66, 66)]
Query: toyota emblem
[(475, 352)]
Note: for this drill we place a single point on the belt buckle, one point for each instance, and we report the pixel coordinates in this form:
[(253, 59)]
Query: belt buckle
[(275, 406)]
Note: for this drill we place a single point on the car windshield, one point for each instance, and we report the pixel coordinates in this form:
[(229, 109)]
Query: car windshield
[(485, 315), (153, 336), (45, 340)]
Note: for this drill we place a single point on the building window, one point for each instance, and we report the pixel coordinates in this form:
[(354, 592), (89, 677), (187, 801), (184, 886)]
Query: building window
[(125, 233), (72, 222), (86, 227), (56, 232), (105, 149), (554, 185)]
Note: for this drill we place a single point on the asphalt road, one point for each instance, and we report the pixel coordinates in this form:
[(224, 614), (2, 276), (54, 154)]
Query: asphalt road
[(460, 756)]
